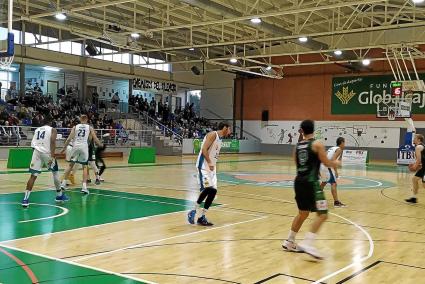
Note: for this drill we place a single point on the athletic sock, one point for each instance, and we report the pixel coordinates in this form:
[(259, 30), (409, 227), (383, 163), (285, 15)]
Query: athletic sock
[(204, 211), (291, 236), (27, 194), (59, 192), (309, 238), (84, 185)]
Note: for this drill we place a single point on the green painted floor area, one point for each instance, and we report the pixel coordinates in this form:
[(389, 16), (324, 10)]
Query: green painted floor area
[(16, 266), (99, 207), (46, 216)]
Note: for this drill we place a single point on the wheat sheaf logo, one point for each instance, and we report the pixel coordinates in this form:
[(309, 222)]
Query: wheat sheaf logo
[(345, 96)]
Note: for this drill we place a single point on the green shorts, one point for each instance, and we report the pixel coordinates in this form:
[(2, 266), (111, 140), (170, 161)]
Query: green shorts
[(309, 196)]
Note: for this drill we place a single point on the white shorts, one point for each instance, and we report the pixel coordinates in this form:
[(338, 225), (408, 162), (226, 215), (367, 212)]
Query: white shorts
[(207, 178), (327, 175), (80, 155), (68, 153), (40, 160)]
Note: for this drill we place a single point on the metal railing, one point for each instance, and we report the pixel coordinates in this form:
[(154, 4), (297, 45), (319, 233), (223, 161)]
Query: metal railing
[(248, 135), (156, 126), (11, 135), (113, 138)]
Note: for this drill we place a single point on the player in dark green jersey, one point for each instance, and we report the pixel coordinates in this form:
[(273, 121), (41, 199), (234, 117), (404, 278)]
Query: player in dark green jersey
[(308, 155)]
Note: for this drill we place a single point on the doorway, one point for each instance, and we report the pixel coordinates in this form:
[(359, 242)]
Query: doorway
[(52, 89)]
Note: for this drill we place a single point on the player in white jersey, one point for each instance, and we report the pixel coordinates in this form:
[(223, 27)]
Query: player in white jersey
[(206, 166), (330, 175), (68, 153), (44, 145), (80, 136)]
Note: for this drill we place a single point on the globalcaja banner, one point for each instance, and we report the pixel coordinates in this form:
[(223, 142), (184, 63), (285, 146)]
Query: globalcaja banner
[(361, 94), (227, 146)]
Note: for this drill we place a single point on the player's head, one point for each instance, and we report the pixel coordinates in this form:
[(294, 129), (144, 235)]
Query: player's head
[(419, 139), (307, 127), (225, 128), (340, 142), (84, 118), (48, 120)]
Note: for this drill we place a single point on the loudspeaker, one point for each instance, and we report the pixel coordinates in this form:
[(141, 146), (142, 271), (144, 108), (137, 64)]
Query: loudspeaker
[(195, 70), (91, 49), (265, 115)]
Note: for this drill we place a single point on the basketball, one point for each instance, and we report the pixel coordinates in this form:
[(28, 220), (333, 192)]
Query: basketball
[(412, 167)]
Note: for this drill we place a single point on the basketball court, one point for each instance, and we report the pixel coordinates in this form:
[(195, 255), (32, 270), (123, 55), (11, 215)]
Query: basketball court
[(134, 228)]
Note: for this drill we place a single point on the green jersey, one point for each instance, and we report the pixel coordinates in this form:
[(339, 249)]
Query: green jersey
[(308, 162)]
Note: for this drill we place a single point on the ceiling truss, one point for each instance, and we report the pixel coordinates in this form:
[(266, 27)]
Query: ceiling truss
[(219, 30)]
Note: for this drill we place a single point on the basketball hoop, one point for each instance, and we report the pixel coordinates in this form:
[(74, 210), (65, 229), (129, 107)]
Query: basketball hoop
[(5, 62), (7, 50), (392, 113)]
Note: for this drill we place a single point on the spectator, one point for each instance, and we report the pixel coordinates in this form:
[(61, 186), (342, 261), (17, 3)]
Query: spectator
[(115, 99), (37, 89)]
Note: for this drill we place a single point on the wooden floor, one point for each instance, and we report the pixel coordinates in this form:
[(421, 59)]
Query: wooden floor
[(135, 227)]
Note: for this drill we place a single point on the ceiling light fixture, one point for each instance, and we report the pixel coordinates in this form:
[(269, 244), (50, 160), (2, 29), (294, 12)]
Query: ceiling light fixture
[(60, 16), (366, 62), (49, 68), (255, 20), (303, 39)]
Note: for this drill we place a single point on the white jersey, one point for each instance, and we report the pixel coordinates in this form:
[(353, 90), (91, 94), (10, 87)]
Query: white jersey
[(213, 152), (41, 139), (82, 132), (331, 152)]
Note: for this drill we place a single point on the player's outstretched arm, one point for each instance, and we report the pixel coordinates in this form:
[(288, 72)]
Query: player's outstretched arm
[(418, 153), (208, 142), (68, 140), (336, 157), (94, 137), (53, 143)]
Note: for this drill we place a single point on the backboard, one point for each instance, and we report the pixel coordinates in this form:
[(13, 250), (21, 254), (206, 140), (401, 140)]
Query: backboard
[(397, 107), (7, 48)]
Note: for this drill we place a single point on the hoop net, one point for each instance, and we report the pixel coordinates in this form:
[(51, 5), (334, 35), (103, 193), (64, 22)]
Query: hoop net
[(5, 62), (391, 113)]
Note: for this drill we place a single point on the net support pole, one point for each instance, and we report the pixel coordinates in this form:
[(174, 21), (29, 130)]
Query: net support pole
[(413, 64), (398, 66), (391, 66), (405, 65), (10, 17)]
